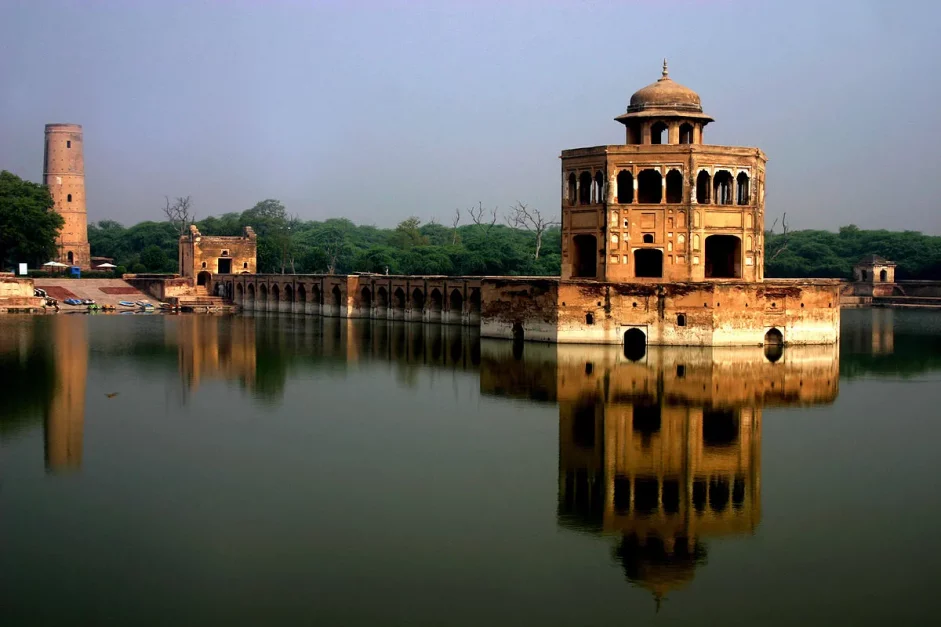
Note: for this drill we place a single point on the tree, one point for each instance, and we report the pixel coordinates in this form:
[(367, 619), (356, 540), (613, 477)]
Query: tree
[(408, 234), (776, 245), (522, 217), (482, 218), (28, 224), (154, 258), (180, 213)]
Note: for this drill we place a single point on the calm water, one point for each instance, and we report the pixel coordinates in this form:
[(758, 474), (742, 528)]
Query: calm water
[(254, 471)]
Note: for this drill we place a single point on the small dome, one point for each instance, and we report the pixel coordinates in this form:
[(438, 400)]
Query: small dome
[(665, 95)]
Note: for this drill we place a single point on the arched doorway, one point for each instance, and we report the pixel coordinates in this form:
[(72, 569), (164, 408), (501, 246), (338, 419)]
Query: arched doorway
[(302, 298), (275, 304), (635, 344), (288, 303), (263, 296), (239, 293), (723, 257), (337, 300), (648, 263), (883, 276), (437, 302), (674, 187), (455, 305), (649, 187), (71, 258), (203, 278), (585, 258), (382, 298), (398, 303), (365, 300), (250, 290)]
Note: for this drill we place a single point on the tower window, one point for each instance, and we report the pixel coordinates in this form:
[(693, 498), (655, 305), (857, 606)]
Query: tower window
[(648, 238), (68, 143), (225, 253), (245, 264), (68, 198)]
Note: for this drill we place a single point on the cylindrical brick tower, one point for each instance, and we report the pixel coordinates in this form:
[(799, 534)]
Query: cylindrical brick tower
[(64, 175)]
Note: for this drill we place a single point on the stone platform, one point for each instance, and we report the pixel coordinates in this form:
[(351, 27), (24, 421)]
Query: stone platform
[(102, 291), (701, 313)]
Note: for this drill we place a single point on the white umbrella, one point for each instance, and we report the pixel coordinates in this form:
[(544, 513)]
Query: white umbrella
[(106, 265), (54, 264)]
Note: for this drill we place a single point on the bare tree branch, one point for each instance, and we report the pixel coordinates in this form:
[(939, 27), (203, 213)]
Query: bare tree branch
[(784, 241), (522, 217), (480, 217), (454, 223), (180, 213)]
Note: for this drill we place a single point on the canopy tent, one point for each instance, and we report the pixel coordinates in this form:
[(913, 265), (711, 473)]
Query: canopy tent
[(54, 264), (106, 265)]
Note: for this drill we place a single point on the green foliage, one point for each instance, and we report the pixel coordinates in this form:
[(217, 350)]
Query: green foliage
[(286, 244), (28, 225), (822, 254), (138, 268)]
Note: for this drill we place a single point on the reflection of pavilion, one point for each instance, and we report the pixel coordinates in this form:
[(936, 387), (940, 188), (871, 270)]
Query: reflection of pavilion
[(65, 413), (211, 347), (873, 332), (665, 452)]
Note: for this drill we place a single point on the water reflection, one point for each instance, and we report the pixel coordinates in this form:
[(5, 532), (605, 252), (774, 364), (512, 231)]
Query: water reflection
[(665, 452)]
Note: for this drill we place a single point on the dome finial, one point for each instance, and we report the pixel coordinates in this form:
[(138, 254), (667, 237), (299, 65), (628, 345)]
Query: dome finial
[(665, 71)]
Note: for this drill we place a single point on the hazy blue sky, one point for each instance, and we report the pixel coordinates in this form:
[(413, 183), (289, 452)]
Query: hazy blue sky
[(380, 110)]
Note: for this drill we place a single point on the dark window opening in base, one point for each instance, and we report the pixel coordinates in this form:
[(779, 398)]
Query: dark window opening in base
[(225, 266), (622, 494), (589, 318), (646, 493), (719, 428), (671, 496), (635, 344), (681, 320), (646, 422)]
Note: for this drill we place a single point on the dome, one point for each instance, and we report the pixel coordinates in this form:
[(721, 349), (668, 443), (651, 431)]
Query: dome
[(665, 97)]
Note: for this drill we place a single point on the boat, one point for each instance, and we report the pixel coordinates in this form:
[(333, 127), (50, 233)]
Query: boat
[(72, 301), (126, 303)]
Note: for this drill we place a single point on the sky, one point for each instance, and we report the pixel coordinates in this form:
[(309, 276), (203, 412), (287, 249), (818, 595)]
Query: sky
[(377, 111)]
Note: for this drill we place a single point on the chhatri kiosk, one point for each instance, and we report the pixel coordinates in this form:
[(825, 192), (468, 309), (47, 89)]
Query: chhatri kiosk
[(663, 243)]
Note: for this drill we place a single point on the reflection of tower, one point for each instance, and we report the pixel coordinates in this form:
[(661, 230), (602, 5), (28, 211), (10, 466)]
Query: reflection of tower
[(883, 331), (64, 175), (65, 418)]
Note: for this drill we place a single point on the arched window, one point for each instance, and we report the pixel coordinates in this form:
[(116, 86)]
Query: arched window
[(288, 294), (625, 187), (337, 297), (382, 298), (573, 188), (674, 187), (743, 192), (585, 262), (399, 298), (648, 263), (315, 295), (686, 133), (648, 238), (703, 187), (301, 294), (71, 258), (68, 198), (599, 187), (437, 300), (722, 187), (723, 257), (681, 320), (659, 133), (263, 293), (475, 300), (883, 276), (584, 188), (365, 297), (649, 187), (275, 293)]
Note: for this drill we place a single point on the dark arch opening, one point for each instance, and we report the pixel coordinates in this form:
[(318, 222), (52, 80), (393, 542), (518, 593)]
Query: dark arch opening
[(382, 298), (635, 344), (365, 296), (883, 276), (399, 296), (418, 299), (599, 187), (584, 188), (674, 187), (723, 257), (289, 293), (648, 238), (589, 318), (659, 133), (774, 345), (202, 278), (686, 133), (239, 291), (263, 293), (301, 294), (648, 263), (573, 188), (649, 187), (456, 301), (518, 333), (71, 258), (437, 300), (625, 187), (585, 261), (742, 190), (68, 198), (703, 188), (337, 297), (275, 293), (681, 320), (251, 292), (316, 296), (722, 187), (475, 300)]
